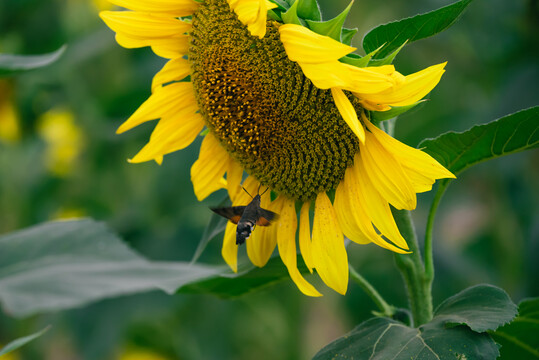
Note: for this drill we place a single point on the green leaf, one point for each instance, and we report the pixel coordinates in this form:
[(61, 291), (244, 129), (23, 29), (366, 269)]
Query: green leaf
[(508, 135), (388, 60), (457, 331), (248, 279), (481, 308), (383, 338), (17, 343), (396, 33), (308, 9), (377, 116), (274, 15), (10, 64), (291, 15), (347, 35), (64, 264), (333, 27), (519, 339)]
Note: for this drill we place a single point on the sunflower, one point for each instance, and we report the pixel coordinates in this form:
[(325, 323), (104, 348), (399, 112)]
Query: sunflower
[(291, 108)]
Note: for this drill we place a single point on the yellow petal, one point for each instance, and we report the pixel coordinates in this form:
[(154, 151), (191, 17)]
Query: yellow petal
[(208, 171), (307, 47), (345, 216), (171, 134), (332, 74), (351, 208), (305, 236), (253, 14), (169, 7), (348, 113), (168, 48), (328, 251), (234, 176), (377, 206), (230, 249), (412, 89), (164, 102), (143, 25), (387, 173), (286, 239), (174, 70), (263, 240), (421, 168)]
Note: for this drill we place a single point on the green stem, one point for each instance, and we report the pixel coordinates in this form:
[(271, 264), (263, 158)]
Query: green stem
[(413, 272), (429, 262), (385, 308)]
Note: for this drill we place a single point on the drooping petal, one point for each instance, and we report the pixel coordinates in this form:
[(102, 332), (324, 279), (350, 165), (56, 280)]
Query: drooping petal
[(376, 205), (286, 239), (169, 7), (263, 240), (352, 212), (174, 70), (344, 211), (421, 168), (208, 171), (164, 102), (387, 173), (305, 236), (328, 251), (348, 113), (409, 90), (229, 250), (253, 14), (334, 74)]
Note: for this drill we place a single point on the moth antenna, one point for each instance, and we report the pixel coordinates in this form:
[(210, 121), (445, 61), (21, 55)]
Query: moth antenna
[(264, 191), (246, 191)]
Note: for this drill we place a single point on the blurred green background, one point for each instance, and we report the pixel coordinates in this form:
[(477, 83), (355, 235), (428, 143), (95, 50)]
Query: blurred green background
[(60, 157)]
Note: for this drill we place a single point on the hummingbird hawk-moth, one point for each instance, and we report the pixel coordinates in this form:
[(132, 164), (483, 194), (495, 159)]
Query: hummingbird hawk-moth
[(247, 217)]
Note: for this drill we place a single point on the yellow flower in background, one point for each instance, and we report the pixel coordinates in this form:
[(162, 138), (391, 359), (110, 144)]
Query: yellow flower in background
[(279, 105), (9, 120), (63, 138), (65, 213), (134, 354)]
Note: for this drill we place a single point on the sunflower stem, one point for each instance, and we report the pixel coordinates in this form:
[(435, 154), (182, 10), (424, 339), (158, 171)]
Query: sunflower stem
[(413, 271), (385, 308), (429, 262)]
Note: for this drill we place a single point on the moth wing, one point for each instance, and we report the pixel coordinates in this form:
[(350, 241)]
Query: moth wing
[(232, 213), (266, 217)]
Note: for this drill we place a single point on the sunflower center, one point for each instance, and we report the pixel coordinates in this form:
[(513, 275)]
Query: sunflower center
[(268, 116)]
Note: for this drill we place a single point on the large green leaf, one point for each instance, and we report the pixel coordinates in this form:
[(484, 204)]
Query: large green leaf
[(508, 135), (383, 338), (457, 331), (481, 308), (520, 338), (65, 264), (10, 64), (17, 343), (394, 34)]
